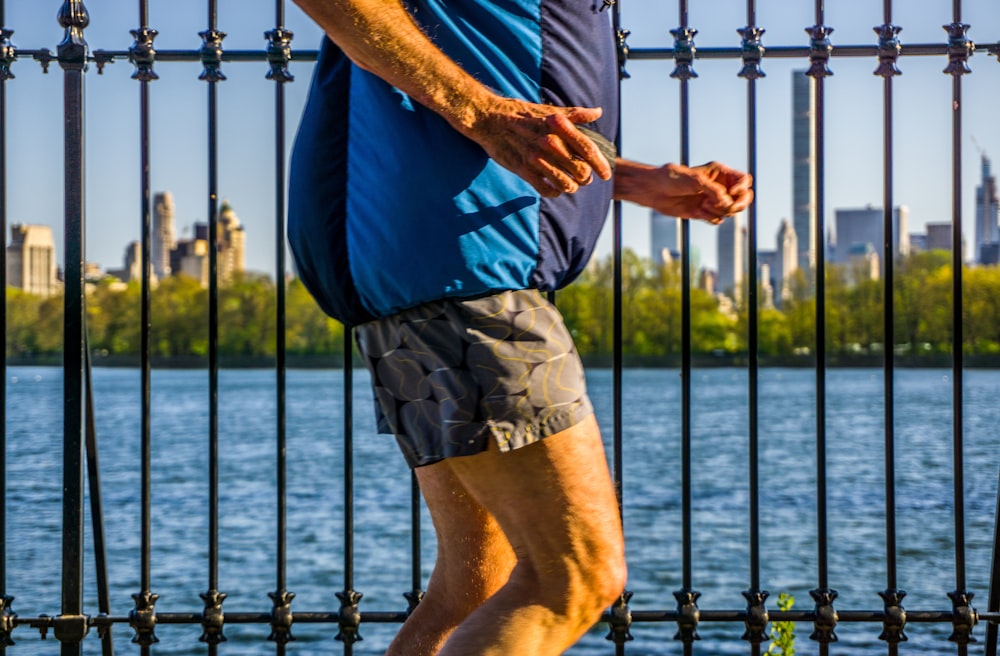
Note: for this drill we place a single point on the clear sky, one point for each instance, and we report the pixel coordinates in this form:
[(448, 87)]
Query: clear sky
[(923, 109)]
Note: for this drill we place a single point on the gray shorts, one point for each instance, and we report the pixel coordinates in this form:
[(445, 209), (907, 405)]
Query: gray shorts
[(452, 374)]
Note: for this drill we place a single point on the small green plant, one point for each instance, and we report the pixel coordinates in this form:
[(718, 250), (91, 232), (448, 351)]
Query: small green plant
[(783, 633)]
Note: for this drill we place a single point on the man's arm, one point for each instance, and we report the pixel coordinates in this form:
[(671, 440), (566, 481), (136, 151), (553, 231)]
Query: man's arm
[(712, 191), (537, 142)]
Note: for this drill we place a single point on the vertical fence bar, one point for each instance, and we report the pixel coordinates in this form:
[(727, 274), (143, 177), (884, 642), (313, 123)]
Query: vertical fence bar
[(278, 55), (6, 59), (825, 615), (416, 593), (142, 55), (350, 615), (959, 50), (894, 616), (211, 55), (687, 597), (757, 616), (71, 626), (993, 603), (621, 615)]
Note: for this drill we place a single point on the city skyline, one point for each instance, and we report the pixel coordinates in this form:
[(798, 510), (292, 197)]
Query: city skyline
[(853, 116)]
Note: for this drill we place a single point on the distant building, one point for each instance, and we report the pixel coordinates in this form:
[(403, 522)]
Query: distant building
[(863, 263), (803, 179), (860, 230), (664, 238), (190, 257), (31, 259), (232, 244), (666, 243), (939, 236), (918, 242), (987, 215), (162, 240), (788, 261), (731, 256)]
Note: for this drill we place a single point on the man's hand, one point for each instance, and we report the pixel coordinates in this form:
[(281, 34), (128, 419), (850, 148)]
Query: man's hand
[(711, 191), (541, 144)]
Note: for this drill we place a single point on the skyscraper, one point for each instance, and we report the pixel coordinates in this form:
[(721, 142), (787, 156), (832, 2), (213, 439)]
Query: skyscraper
[(31, 259), (803, 181), (732, 245), (788, 259), (162, 237), (987, 216), (664, 237), (232, 243)]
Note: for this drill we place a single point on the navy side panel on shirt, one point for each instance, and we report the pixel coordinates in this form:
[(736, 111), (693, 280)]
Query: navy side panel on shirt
[(391, 208), (317, 231)]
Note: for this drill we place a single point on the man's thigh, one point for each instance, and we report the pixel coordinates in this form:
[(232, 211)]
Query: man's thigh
[(552, 498)]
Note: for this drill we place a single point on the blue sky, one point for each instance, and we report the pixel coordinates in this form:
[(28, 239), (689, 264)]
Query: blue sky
[(650, 117)]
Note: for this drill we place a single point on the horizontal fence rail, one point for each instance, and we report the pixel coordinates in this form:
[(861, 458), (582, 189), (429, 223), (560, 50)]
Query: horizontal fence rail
[(71, 624)]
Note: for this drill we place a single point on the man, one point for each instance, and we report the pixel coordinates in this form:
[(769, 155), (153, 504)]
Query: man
[(448, 168)]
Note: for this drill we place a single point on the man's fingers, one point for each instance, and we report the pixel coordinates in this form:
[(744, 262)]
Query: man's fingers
[(578, 144)]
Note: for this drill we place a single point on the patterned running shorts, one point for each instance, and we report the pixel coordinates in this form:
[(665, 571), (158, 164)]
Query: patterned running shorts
[(450, 375)]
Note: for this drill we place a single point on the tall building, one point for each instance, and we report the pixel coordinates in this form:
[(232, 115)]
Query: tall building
[(803, 180), (232, 244), (731, 256), (162, 239), (31, 259), (666, 243), (987, 216), (664, 237), (788, 259), (860, 230)]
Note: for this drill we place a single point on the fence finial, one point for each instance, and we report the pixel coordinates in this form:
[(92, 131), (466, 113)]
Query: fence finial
[(211, 55), (753, 52), (8, 54), (621, 36), (889, 49), (688, 615), (212, 617), (825, 616), (142, 54), (820, 49), (349, 617), (621, 620), (279, 53), (895, 617), (684, 50), (963, 617), (960, 48), (281, 617), (142, 618), (7, 617), (72, 50), (757, 616)]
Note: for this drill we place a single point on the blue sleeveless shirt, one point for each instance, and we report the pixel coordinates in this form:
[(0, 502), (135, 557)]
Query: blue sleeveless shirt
[(390, 208)]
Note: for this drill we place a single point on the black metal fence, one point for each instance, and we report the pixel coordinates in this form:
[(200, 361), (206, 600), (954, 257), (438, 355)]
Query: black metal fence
[(72, 623)]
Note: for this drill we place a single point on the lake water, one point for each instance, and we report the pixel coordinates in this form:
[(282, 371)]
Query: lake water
[(382, 542)]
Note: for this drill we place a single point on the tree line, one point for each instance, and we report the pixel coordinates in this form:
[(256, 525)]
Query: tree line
[(651, 315)]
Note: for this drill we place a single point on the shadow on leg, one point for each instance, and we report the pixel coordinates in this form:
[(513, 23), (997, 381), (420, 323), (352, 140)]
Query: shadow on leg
[(474, 560)]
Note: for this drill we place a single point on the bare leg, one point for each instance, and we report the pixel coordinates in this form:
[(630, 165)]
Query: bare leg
[(474, 560), (556, 504)]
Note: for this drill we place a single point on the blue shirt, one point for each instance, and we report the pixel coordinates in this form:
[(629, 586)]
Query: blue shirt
[(390, 208)]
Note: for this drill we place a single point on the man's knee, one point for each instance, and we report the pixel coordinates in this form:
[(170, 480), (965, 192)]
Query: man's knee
[(579, 586)]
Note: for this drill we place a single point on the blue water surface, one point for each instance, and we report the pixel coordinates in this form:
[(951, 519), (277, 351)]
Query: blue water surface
[(651, 476)]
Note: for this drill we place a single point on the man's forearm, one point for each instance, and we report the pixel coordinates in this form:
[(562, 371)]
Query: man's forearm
[(380, 36)]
